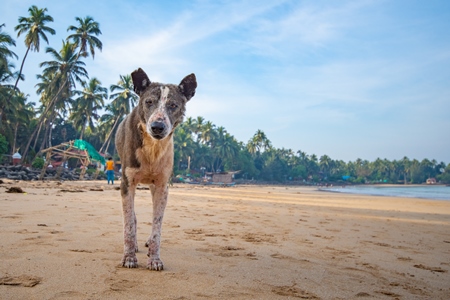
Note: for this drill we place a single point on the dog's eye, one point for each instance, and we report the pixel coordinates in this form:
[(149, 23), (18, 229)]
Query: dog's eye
[(149, 102), (173, 106)]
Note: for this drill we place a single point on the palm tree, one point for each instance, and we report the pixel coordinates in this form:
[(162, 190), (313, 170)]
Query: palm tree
[(406, 166), (124, 99), (23, 114), (260, 142), (6, 89), (226, 148), (6, 41), (251, 147), (86, 35), (65, 70), (197, 126), (68, 70), (325, 164), (85, 107), (6, 73), (183, 144), (207, 132), (35, 29)]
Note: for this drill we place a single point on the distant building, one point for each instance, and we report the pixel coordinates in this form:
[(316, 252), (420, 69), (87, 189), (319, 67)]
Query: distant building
[(223, 177), (431, 181)]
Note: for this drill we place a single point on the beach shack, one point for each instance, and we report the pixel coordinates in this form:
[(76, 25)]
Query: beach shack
[(226, 178), (431, 181)]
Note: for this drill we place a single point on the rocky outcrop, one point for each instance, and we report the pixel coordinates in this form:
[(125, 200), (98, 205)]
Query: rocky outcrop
[(19, 172)]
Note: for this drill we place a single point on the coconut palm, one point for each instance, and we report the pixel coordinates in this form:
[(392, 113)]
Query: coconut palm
[(259, 142), (183, 144), (226, 149), (123, 101), (86, 35), (34, 29), (197, 128), (21, 118), (207, 133), (6, 67), (6, 89), (89, 100), (66, 71), (6, 41)]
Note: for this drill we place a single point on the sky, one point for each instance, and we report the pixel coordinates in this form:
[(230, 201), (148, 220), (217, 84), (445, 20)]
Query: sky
[(349, 79)]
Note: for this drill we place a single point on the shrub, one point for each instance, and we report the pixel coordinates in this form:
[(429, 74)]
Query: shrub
[(91, 171), (38, 163)]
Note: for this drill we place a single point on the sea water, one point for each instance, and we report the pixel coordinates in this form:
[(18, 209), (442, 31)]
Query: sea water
[(437, 192)]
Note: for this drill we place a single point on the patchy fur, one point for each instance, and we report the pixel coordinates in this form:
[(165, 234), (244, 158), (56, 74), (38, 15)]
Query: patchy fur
[(144, 141)]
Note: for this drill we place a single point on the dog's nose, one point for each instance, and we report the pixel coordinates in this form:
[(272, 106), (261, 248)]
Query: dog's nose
[(158, 127)]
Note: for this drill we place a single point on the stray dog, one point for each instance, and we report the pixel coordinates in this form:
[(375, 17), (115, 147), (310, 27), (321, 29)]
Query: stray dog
[(144, 141)]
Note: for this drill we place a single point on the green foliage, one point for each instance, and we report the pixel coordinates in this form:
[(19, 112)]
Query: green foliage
[(299, 172), (3, 145), (38, 163), (91, 171)]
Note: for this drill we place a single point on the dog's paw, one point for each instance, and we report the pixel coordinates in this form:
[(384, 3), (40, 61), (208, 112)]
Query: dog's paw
[(155, 264), (129, 262)]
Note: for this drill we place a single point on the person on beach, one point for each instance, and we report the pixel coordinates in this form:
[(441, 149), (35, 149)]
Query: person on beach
[(110, 170)]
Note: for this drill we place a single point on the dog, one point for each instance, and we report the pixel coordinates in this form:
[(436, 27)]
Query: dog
[(144, 141)]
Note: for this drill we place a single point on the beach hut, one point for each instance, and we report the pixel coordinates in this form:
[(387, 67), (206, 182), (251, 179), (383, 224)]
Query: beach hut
[(226, 178), (431, 181)]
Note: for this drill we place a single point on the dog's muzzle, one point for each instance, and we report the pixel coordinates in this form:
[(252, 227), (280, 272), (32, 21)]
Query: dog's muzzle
[(158, 130)]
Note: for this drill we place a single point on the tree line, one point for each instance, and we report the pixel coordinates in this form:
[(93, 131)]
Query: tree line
[(70, 102)]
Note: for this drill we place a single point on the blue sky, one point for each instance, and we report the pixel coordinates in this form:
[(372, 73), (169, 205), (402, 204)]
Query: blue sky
[(349, 79)]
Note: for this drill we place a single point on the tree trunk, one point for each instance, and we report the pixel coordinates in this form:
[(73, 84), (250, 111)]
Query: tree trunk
[(38, 127), (107, 146), (15, 138), (82, 131), (110, 133), (37, 136), (44, 140), (20, 73), (41, 119)]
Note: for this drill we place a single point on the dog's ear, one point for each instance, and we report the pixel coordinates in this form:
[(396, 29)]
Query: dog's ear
[(188, 86), (140, 81)]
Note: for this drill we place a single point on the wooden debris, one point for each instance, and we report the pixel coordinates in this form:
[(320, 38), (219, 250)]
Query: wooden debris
[(72, 191)]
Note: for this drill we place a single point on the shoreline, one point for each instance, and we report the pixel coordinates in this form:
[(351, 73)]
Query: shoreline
[(391, 191)]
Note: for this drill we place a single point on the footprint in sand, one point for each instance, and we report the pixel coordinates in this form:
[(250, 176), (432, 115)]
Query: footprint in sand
[(432, 269), (22, 280), (292, 291)]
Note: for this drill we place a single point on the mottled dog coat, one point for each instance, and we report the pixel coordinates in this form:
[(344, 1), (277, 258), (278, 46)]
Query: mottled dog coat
[(144, 141)]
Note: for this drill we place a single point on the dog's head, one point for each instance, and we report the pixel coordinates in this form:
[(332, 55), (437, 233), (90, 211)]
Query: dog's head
[(162, 106)]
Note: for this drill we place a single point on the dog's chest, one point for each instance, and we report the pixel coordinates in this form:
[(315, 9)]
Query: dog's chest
[(156, 161)]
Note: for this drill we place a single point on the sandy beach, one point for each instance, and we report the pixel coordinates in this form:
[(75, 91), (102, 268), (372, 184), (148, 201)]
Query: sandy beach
[(64, 241)]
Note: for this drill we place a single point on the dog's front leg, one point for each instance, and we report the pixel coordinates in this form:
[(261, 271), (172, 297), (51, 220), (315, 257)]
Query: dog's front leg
[(129, 259), (159, 195)]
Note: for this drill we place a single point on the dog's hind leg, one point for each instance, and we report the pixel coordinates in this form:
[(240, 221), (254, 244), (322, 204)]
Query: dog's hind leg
[(129, 259), (159, 195)]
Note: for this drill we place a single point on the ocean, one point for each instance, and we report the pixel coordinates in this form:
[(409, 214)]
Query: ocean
[(436, 192)]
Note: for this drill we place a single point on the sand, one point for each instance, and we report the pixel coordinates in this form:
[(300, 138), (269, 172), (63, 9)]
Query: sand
[(64, 241)]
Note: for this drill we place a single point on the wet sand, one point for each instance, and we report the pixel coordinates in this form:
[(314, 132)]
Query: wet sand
[(64, 241)]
